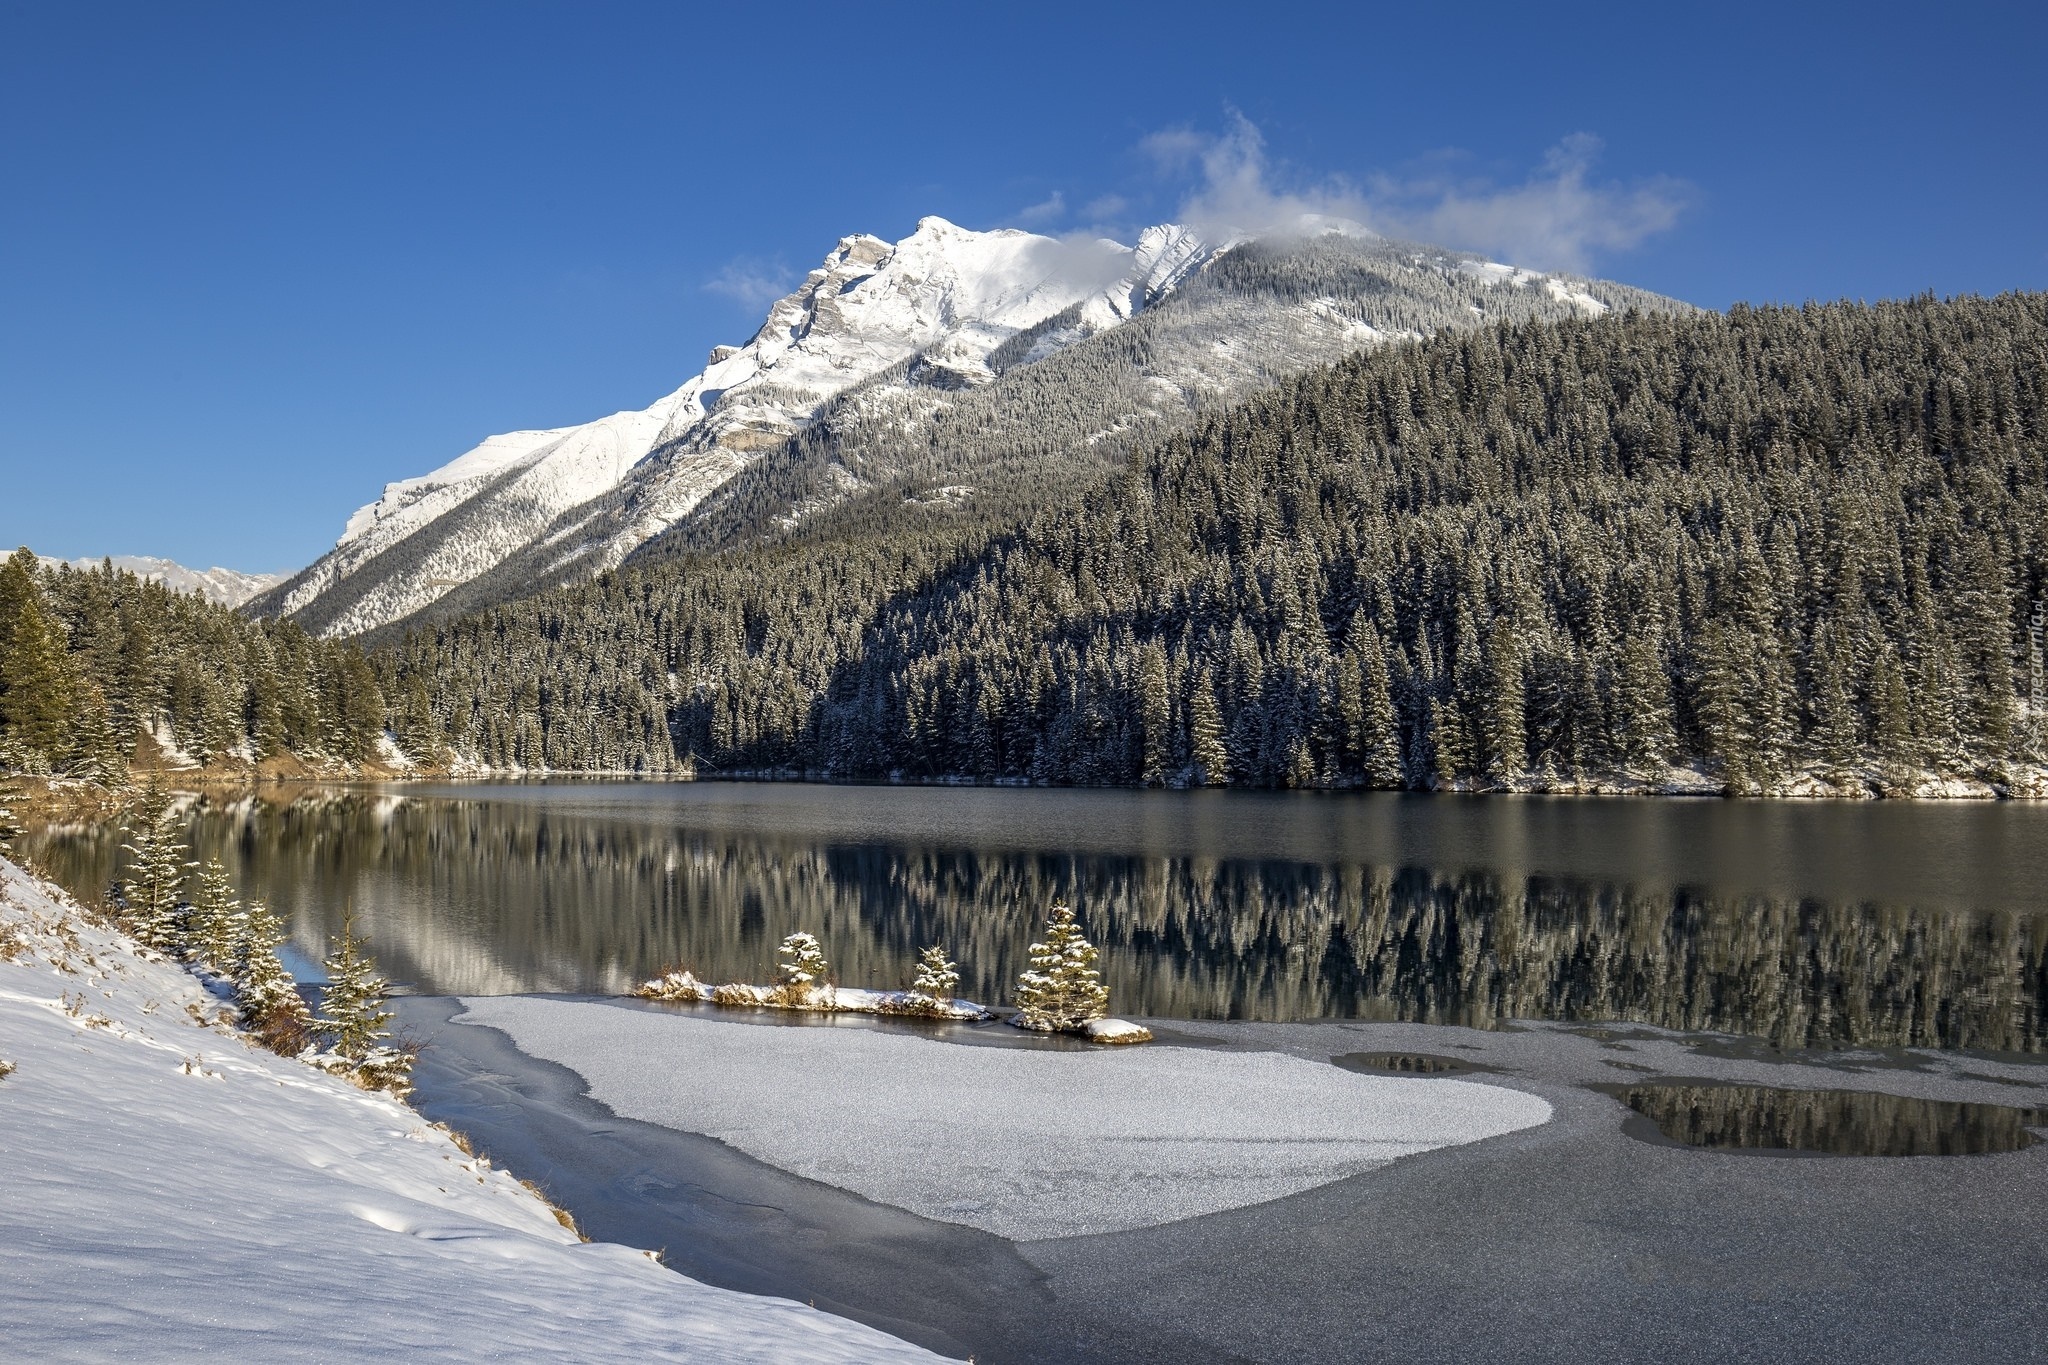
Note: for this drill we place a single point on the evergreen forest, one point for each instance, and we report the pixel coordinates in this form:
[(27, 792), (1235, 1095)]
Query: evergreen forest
[(1766, 548), (1770, 542), (92, 662)]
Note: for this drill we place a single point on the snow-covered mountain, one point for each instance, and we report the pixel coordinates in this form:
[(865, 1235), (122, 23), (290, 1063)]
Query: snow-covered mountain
[(966, 366), (228, 587), (945, 295)]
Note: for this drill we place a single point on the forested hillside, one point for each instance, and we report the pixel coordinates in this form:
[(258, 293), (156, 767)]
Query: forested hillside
[(1781, 547), (885, 454), (93, 661)]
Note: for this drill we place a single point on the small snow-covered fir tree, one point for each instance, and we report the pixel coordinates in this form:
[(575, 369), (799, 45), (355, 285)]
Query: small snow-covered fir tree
[(356, 1023), (269, 997), (8, 828), (803, 969), (938, 977), (351, 1007), (156, 872), (1063, 990), (215, 924)]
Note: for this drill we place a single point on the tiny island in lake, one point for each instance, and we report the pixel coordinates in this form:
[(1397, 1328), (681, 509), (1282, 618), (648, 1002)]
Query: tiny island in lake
[(1061, 993)]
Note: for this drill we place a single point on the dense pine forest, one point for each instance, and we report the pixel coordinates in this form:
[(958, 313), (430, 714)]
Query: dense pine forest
[(1765, 544), (1772, 550), (91, 663)]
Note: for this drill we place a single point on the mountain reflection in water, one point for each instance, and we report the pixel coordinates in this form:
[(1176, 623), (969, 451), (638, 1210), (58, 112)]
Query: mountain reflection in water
[(1911, 925)]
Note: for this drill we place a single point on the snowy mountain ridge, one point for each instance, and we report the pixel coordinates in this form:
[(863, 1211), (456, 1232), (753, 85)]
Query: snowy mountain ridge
[(227, 587), (908, 358), (945, 294)]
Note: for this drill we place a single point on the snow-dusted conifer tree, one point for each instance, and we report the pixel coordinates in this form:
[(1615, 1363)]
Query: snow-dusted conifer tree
[(938, 977), (1155, 716), (37, 679), (8, 828), (1063, 990), (803, 968), (95, 752), (269, 998), (1211, 762), (355, 1021), (215, 919), (156, 872), (351, 1007)]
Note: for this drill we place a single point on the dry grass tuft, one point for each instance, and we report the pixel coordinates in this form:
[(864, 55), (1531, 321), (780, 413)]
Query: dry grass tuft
[(460, 1139), (562, 1215), (282, 1031)]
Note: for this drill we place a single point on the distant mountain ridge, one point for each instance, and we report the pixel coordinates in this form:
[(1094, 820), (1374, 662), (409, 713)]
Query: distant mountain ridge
[(852, 383), (226, 587)]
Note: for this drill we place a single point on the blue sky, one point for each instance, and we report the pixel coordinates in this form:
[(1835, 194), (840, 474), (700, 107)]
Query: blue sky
[(257, 260)]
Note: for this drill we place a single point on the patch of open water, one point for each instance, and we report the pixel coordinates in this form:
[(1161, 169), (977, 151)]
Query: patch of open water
[(1777, 1121), (1407, 1064)]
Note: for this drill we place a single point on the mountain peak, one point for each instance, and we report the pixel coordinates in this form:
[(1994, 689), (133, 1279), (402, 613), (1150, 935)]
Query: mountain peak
[(945, 291)]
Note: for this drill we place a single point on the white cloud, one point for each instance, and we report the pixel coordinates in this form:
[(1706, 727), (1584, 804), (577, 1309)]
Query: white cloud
[(752, 283), (1175, 149), (1047, 210), (1083, 261), (1559, 217), (1104, 208), (1237, 196)]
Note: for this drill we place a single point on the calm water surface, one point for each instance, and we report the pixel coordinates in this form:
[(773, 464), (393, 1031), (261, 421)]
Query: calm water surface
[(1918, 924), (1826, 1122)]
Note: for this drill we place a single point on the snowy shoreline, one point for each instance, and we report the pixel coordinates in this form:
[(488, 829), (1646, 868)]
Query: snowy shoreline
[(2027, 782), (176, 1192), (682, 987)]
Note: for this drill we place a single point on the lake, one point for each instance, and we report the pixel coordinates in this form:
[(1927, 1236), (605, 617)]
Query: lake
[(1802, 923)]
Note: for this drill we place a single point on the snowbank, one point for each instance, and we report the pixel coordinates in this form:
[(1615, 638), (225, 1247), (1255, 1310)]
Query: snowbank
[(173, 1193), (1022, 1142), (1115, 1032)]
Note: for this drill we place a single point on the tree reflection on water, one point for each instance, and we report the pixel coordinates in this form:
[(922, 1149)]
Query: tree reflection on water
[(465, 894), (1830, 1122)]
